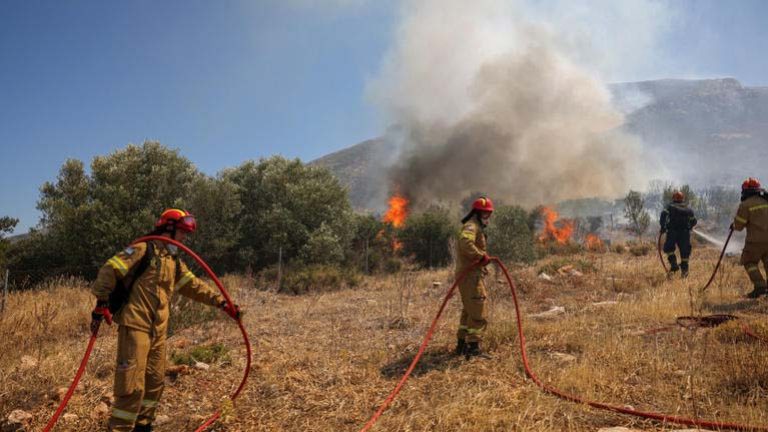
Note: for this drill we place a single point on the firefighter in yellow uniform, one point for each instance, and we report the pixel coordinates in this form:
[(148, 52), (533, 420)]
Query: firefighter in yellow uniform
[(753, 215), (471, 250), (136, 285)]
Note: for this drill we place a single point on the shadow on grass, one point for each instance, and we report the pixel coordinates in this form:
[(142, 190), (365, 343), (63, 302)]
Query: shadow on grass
[(759, 306), (430, 361)]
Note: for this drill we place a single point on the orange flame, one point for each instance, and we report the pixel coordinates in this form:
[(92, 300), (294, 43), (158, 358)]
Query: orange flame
[(396, 245), (551, 231), (593, 242), (397, 212)]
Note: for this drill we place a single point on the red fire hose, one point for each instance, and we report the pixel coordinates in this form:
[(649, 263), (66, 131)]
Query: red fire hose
[(226, 296), (78, 375), (661, 258), (549, 389)]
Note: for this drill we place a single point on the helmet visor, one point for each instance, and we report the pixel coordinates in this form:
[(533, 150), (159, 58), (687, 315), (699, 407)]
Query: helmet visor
[(187, 224)]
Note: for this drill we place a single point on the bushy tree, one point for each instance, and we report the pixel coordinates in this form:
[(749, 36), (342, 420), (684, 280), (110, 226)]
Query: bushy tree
[(131, 187), (215, 202), (369, 245), (7, 225), (246, 215), (510, 236), (426, 235), (722, 203), (634, 210), (283, 203)]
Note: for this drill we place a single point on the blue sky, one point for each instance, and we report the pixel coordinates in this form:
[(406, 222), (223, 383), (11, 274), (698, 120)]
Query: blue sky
[(235, 80)]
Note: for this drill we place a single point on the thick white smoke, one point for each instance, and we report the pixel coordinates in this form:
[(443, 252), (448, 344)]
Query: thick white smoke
[(487, 98)]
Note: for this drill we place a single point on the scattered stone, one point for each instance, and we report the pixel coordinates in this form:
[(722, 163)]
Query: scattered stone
[(436, 284), (175, 371), (69, 417), (181, 343), (605, 303), (161, 420), (545, 277), (564, 356), (555, 311), (28, 362), (202, 366), (19, 418), (59, 393), (100, 411)]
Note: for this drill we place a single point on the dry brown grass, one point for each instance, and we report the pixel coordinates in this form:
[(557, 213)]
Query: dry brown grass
[(323, 362)]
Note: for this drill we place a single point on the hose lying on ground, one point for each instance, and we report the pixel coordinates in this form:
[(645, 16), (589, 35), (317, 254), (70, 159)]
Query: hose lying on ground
[(549, 389)]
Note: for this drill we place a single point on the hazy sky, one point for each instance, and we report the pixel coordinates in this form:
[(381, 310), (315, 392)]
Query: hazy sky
[(235, 80)]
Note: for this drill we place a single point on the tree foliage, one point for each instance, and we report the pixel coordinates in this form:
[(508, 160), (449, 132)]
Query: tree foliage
[(510, 236), (634, 210), (426, 236), (245, 214)]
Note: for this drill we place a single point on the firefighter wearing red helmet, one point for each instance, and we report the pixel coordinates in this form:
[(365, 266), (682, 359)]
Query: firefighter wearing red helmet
[(136, 286), (677, 220), (471, 250), (753, 215)]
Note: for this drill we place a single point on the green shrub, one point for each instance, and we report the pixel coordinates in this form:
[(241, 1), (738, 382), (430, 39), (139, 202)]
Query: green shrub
[(510, 236), (211, 353), (425, 237), (301, 279)]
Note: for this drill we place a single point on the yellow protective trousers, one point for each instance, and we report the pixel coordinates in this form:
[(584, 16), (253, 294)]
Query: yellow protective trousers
[(751, 256), (473, 315), (139, 378)]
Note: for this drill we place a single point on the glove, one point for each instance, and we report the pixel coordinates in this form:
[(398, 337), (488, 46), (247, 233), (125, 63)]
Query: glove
[(99, 313), (485, 260), (663, 231), (232, 310)]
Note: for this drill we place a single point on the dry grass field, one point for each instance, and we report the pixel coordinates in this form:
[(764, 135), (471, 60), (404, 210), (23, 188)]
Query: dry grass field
[(324, 362)]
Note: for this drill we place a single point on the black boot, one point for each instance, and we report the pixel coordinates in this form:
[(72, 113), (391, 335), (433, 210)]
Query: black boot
[(684, 268), (142, 428), (473, 350), (461, 347), (757, 292)]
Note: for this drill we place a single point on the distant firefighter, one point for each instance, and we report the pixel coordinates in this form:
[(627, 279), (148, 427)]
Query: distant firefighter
[(677, 220), (471, 250), (753, 215)]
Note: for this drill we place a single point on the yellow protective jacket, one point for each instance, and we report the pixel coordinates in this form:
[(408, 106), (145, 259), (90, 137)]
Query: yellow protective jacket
[(753, 214), (471, 246), (148, 308)]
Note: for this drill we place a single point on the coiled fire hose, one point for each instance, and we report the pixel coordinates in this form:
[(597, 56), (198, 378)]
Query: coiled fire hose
[(532, 375), (95, 332)]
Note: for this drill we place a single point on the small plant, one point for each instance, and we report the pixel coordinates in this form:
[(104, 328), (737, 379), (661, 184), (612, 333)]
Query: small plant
[(639, 249), (203, 353)]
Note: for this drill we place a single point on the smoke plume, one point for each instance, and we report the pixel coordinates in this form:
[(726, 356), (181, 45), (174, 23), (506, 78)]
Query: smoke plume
[(485, 99)]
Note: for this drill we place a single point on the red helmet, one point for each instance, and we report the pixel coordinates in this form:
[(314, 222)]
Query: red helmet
[(750, 183), (483, 204), (678, 196), (173, 219)]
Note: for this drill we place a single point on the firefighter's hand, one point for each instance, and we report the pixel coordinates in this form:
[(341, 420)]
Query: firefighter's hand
[(485, 260), (663, 231), (232, 310), (99, 313)]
